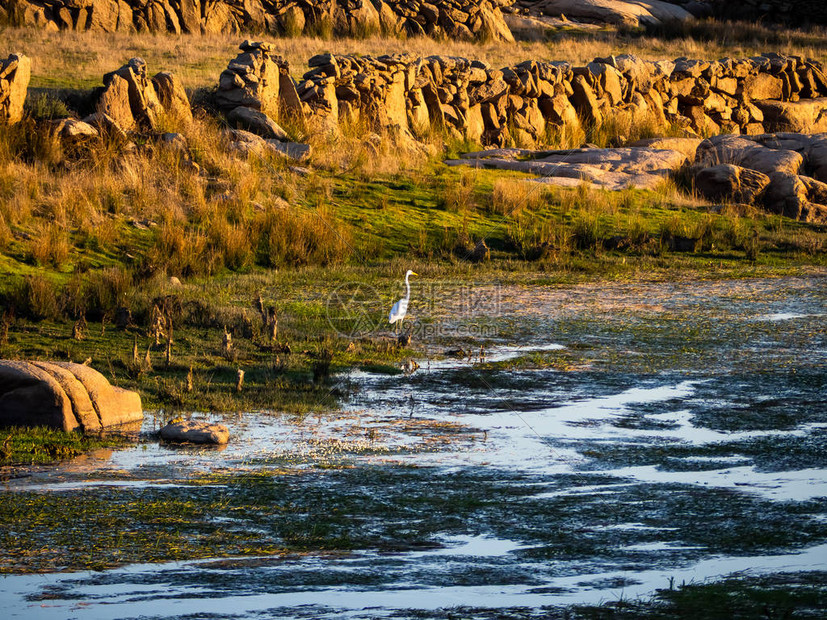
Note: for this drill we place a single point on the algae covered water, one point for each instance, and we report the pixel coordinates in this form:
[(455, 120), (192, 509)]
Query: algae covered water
[(578, 447)]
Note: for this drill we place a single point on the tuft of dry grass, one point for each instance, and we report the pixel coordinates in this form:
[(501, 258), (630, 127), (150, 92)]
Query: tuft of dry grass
[(49, 245), (510, 196)]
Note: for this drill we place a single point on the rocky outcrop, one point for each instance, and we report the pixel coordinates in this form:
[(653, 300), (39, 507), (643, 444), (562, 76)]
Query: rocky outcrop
[(406, 96), (616, 12), (789, 169), (472, 100), (728, 182), (785, 173), (457, 19), (132, 100), (63, 395), (190, 431), (636, 13), (15, 73), (613, 169)]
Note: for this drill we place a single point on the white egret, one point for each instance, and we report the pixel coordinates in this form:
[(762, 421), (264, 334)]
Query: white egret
[(400, 308)]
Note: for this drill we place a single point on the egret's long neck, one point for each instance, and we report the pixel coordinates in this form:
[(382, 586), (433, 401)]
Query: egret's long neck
[(408, 285)]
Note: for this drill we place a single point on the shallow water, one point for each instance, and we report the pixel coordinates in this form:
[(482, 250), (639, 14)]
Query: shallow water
[(647, 435)]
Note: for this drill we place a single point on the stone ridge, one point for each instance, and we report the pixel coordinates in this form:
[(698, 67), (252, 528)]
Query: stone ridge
[(471, 100), (457, 19)]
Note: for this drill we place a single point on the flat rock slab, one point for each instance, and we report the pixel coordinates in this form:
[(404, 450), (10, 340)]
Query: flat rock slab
[(257, 122), (618, 12), (190, 431), (612, 169), (246, 143), (63, 395)]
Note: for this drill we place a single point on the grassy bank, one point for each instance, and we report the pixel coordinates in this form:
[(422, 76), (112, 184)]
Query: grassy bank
[(102, 250), (172, 278), (38, 446)]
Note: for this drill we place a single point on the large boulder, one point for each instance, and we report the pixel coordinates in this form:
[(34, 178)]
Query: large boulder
[(73, 130), (63, 395), (618, 12), (114, 103), (747, 153), (492, 24), (729, 182), (191, 15), (190, 431), (817, 157), (144, 104), (586, 102), (245, 143), (806, 116), (173, 97), (15, 73), (257, 122), (687, 146), (104, 16), (797, 197)]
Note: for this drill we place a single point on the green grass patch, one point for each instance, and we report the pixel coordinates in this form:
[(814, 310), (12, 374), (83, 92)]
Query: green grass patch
[(38, 446)]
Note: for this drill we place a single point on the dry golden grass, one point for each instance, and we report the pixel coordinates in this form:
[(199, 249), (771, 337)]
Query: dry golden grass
[(101, 202), (79, 59), (512, 196)]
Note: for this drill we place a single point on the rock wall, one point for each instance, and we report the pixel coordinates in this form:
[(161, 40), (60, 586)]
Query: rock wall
[(15, 73), (131, 99), (463, 19), (516, 105)]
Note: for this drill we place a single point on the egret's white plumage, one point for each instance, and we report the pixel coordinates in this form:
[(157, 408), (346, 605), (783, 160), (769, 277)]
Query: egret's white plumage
[(400, 308)]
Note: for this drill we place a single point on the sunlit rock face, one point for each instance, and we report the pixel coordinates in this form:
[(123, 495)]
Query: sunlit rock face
[(459, 19), (15, 73), (63, 395)]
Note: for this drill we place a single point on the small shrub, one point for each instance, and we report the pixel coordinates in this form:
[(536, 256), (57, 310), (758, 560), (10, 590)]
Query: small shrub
[(458, 196), (287, 236), (534, 239), (587, 231), (181, 252), (103, 291), (230, 244), (42, 106), (50, 245), (38, 298), (511, 196)]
